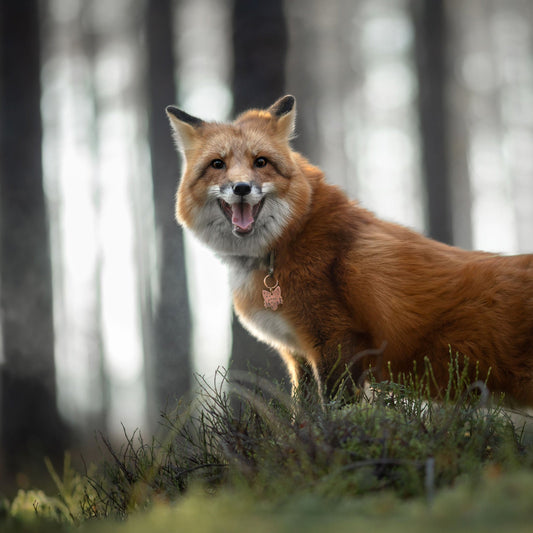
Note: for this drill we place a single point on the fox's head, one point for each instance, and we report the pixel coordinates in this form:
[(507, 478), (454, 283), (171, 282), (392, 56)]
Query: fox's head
[(240, 187)]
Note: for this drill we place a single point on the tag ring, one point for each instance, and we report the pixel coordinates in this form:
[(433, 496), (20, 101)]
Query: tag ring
[(270, 288)]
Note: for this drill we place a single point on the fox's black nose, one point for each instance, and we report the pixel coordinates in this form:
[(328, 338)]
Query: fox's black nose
[(242, 188)]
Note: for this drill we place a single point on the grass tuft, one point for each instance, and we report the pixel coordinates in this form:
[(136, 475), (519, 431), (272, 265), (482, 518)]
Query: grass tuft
[(247, 434)]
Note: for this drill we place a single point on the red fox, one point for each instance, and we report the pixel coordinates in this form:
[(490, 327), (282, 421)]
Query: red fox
[(324, 281)]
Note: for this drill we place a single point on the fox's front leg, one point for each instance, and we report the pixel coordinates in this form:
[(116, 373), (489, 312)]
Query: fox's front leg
[(305, 379)]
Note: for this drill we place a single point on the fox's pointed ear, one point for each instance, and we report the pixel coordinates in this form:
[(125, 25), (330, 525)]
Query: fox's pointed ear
[(184, 127), (284, 110)]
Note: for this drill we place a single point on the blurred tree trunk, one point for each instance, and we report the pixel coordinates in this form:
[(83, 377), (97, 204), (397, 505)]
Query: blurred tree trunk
[(302, 76), (321, 76), (431, 62), (458, 134), (260, 49), (31, 426), (171, 369), (87, 31)]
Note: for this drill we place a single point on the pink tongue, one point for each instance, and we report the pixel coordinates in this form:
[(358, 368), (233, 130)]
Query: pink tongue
[(242, 215)]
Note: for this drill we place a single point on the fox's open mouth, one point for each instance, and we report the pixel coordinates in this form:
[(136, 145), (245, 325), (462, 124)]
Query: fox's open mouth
[(242, 215)]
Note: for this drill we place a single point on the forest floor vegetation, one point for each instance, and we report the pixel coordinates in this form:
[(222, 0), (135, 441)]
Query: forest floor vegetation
[(244, 454)]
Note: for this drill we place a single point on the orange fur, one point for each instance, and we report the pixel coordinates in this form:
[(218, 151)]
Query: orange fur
[(351, 283)]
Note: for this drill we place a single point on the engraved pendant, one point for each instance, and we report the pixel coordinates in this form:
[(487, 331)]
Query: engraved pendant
[(272, 297)]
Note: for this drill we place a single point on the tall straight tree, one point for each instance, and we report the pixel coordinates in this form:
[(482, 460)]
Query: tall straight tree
[(30, 422), (430, 53), (171, 334), (260, 49)]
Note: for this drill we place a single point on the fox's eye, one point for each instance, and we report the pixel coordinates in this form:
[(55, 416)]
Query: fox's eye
[(260, 162), (218, 164)]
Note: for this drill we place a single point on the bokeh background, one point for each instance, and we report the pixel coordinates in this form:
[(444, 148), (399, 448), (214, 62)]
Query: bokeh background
[(422, 110)]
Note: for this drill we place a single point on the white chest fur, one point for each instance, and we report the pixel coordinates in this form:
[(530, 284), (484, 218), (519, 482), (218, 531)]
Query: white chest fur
[(270, 327), (267, 325)]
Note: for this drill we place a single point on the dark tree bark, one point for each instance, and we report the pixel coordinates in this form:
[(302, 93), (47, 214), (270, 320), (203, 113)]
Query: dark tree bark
[(31, 426), (260, 49), (171, 335), (302, 76), (430, 52)]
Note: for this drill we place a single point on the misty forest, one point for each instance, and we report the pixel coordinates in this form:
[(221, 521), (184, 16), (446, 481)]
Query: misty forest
[(422, 111)]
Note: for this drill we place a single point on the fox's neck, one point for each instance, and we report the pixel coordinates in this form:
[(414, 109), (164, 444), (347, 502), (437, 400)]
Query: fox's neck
[(247, 263)]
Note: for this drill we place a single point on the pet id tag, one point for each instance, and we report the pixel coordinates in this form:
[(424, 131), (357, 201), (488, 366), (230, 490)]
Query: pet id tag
[(272, 297)]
